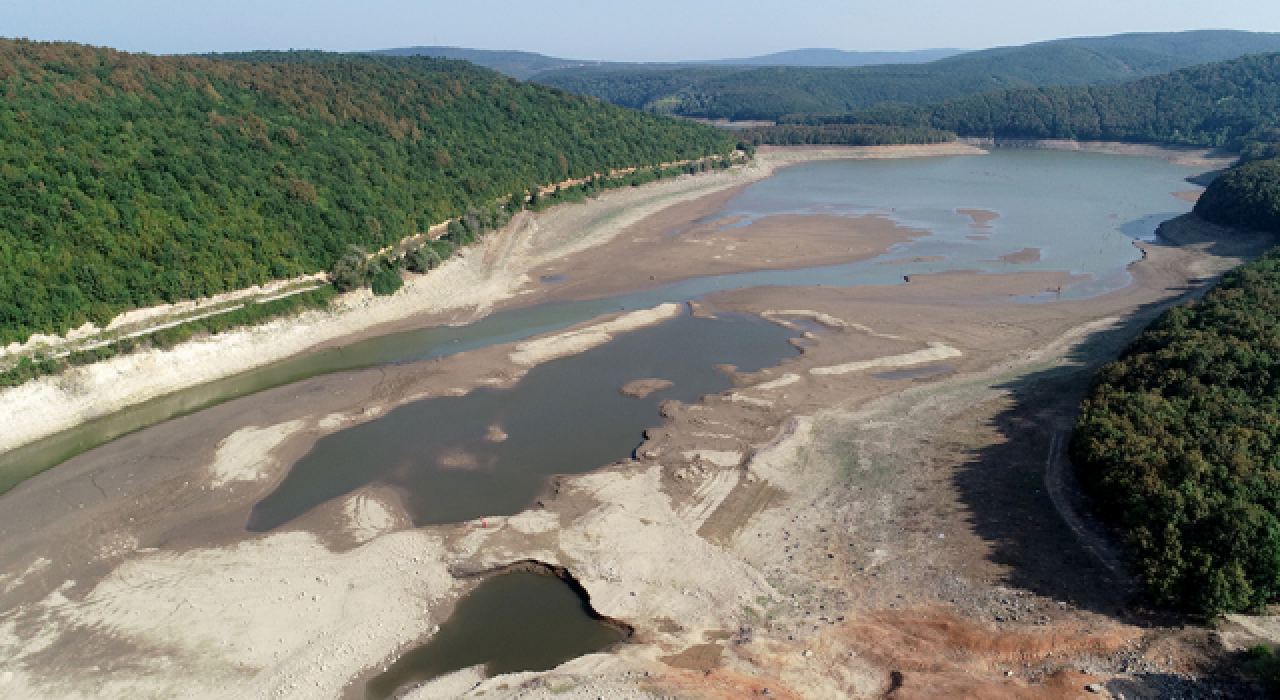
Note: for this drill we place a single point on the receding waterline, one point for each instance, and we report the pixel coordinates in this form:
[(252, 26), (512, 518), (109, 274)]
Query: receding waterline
[(1083, 210)]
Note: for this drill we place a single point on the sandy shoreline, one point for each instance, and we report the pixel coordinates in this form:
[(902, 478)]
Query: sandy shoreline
[(1193, 156), (465, 289)]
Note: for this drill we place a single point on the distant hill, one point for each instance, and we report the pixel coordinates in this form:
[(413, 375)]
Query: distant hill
[(828, 58), (525, 64), (1200, 46), (521, 65), (769, 93), (1233, 104)]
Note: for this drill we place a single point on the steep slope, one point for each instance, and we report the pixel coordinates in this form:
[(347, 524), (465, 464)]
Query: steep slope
[(126, 180)]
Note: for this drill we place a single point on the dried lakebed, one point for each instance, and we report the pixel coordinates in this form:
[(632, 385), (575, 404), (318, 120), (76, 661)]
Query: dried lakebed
[(1080, 211), (722, 541)]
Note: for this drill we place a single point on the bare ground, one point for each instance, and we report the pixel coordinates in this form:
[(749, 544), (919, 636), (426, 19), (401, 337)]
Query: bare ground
[(816, 534), (495, 273)]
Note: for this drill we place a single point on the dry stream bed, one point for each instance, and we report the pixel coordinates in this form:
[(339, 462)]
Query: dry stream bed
[(837, 481)]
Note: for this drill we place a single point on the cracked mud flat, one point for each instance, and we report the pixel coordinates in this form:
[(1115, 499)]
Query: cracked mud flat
[(809, 532)]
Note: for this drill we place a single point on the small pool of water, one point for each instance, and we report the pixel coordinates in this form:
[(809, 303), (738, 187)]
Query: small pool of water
[(510, 623), (566, 416)]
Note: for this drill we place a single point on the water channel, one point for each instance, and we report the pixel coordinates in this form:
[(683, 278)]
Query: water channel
[(488, 453), (1080, 210)]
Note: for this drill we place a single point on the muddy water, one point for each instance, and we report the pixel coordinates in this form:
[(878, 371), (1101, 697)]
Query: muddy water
[(510, 623), (1081, 210), (488, 453)]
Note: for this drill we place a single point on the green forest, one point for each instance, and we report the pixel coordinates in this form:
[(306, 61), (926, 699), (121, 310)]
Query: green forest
[(1230, 104), (127, 180), (1179, 439), (1247, 196), (841, 134), (1179, 442), (773, 93)]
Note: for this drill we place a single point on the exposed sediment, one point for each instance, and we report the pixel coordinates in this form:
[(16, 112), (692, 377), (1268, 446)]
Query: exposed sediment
[(815, 539), (641, 388)]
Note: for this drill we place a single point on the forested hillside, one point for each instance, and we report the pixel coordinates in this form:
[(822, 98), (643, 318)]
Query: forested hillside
[(841, 134), (1246, 197), (772, 93), (127, 180), (1229, 104), (1179, 441)]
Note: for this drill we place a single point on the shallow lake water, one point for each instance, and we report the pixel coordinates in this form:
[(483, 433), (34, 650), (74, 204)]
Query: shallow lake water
[(565, 417), (1081, 210), (489, 452), (511, 622)]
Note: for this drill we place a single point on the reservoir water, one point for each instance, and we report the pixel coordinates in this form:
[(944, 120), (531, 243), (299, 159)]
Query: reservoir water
[(1080, 210), (511, 622), (487, 453)]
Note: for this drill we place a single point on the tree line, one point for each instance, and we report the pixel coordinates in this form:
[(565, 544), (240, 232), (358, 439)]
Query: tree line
[(771, 93), (128, 180), (841, 134), (1179, 443), (1233, 104)]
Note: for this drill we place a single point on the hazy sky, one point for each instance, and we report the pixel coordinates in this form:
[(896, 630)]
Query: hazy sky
[(637, 30)]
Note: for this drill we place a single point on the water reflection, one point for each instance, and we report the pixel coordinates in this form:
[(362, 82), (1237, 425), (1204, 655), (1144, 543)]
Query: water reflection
[(566, 416)]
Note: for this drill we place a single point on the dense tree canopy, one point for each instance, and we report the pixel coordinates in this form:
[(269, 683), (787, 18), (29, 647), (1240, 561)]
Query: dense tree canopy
[(771, 93), (1247, 196), (1179, 441), (1229, 104), (127, 180), (842, 134)]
